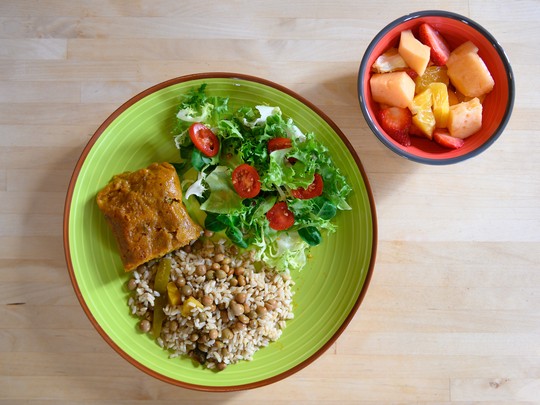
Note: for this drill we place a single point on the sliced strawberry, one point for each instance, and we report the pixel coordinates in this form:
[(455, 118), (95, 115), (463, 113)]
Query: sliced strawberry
[(396, 122), (440, 50), (443, 138)]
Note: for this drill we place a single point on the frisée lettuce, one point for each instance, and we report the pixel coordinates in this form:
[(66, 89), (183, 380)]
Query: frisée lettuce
[(243, 134)]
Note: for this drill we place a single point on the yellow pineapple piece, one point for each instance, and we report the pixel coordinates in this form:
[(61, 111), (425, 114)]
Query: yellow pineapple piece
[(441, 105), (465, 118), (414, 52), (468, 72)]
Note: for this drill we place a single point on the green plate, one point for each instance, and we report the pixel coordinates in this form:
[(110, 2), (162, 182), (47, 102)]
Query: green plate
[(328, 290)]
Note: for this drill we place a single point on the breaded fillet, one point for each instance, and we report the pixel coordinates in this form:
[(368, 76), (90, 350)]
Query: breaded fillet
[(145, 212)]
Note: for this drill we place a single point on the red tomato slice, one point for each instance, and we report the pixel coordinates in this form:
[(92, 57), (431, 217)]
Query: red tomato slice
[(278, 143), (280, 217), (204, 139), (315, 189), (246, 181)]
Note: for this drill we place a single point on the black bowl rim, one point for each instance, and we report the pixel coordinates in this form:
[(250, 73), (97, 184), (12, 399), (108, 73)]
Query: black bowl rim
[(502, 54)]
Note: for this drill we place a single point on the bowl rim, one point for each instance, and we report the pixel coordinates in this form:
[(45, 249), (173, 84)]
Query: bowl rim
[(66, 238), (364, 69)]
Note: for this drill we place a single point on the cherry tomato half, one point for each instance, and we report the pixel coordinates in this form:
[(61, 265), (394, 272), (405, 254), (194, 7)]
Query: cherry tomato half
[(278, 143), (204, 139), (246, 181), (315, 189), (280, 217), (281, 143)]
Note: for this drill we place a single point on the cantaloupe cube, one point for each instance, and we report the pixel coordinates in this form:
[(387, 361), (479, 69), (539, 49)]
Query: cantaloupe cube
[(395, 88), (468, 72), (465, 118), (441, 105), (464, 48), (414, 52)]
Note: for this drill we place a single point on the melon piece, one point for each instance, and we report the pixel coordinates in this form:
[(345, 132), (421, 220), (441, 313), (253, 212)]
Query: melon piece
[(414, 52), (465, 118), (468, 72), (464, 48), (394, 89)]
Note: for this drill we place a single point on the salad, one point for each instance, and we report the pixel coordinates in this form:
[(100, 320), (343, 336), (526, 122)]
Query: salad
[(254, 175)]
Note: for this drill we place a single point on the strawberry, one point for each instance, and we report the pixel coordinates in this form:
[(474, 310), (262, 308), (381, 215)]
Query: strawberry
[(440, 50), (443, 138), (396, 122)]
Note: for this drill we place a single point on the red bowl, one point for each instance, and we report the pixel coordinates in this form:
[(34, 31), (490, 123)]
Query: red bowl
[(497, 106)]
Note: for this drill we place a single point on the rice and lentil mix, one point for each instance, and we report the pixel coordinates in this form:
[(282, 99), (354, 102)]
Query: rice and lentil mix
[(233, 307)]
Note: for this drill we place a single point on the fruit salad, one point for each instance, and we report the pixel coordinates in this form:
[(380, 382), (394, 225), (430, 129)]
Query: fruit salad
[(426, 89)]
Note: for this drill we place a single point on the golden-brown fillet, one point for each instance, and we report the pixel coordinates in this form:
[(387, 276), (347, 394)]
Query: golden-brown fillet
[(145, 212)]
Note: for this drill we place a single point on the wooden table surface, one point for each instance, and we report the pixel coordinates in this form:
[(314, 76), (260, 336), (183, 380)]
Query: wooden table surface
[(452, 312)]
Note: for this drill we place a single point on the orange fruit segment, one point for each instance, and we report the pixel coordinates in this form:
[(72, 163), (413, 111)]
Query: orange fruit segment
[(422, 101), (425, 122), (433, 74), (441, 105)]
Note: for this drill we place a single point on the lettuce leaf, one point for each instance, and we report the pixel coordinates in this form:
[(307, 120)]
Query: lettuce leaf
[(222, 198), (243, 135)]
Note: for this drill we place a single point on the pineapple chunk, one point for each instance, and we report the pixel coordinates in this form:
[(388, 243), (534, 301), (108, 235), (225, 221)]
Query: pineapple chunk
[(394, 89), (441, 105), (468, 72), (414, 52), (465, 118)]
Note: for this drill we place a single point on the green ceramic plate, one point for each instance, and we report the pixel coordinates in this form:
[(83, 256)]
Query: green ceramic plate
[(328, 290)]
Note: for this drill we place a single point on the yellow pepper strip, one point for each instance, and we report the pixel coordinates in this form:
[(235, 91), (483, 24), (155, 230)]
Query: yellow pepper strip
[(189, 304), (173, 294)]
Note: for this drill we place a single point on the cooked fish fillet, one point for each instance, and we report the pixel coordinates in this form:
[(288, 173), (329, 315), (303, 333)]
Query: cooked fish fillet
[(145, 212)]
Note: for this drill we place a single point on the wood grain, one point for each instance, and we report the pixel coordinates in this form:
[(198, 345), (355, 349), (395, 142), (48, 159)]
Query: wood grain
[(452, 313)]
